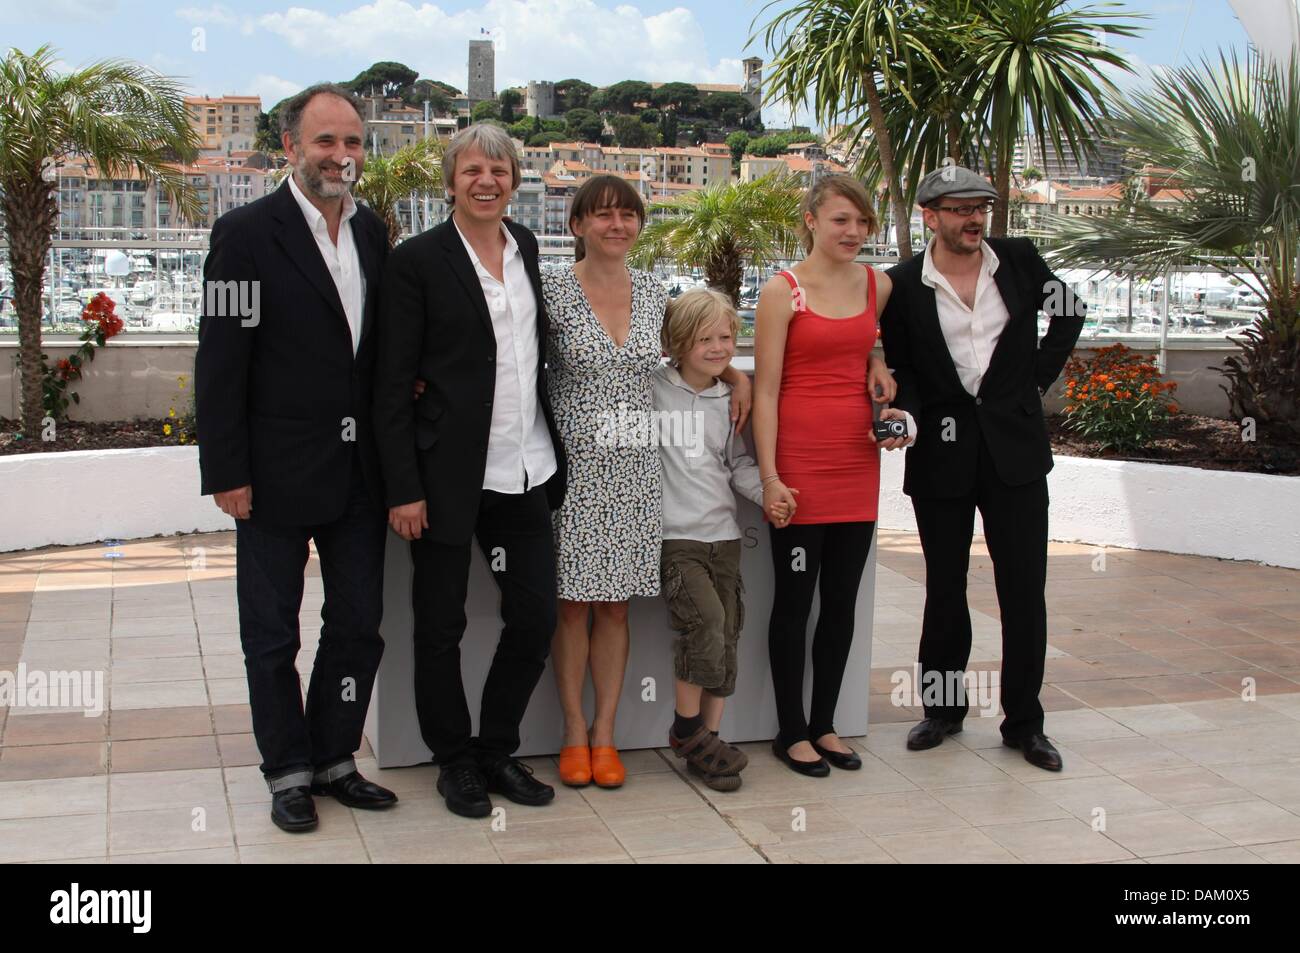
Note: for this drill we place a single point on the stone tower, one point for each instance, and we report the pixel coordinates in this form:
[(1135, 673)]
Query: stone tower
[(752, 89), (540, 100), (482, 71)]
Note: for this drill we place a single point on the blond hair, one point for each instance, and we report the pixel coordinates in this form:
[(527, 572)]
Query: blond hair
[(493, 141), (689, 313), (844, 185)]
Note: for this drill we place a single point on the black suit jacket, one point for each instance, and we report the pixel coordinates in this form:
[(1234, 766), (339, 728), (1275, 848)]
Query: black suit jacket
[(434, 324), (1008, 409), (274, 400)]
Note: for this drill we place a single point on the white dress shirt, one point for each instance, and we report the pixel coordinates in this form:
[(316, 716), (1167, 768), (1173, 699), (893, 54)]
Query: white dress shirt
[(519, 454), (342, 260), (971, 333)]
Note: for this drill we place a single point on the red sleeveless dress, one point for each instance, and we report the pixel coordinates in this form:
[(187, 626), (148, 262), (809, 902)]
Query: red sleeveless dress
[(823, 445)]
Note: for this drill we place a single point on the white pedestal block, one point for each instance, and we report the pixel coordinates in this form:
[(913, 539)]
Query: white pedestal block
[(645, 711)]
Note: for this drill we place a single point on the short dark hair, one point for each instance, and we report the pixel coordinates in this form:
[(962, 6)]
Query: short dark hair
[(602, 191), (292, 110)]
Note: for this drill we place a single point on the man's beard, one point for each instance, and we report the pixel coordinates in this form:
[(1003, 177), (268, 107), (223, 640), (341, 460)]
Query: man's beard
[(952, 241), (313, 179)]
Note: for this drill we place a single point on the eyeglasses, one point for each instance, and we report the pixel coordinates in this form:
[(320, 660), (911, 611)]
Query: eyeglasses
[(967, 210)]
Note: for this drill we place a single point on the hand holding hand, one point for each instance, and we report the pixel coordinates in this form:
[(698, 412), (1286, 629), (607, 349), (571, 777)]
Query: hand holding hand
[(779, 503)]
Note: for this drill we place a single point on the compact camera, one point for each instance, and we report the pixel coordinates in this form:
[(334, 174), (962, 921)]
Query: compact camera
[(888, 429)]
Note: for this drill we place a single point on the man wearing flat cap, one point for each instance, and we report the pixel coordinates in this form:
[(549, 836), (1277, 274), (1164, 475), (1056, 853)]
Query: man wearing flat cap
[(960, 333)]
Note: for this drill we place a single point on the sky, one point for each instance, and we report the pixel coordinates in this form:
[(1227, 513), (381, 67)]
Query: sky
[(273, 48)]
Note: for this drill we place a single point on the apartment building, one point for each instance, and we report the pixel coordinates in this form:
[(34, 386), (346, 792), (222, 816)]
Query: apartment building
[(224, 123)]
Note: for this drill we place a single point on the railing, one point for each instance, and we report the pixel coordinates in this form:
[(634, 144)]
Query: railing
[(155, 277)]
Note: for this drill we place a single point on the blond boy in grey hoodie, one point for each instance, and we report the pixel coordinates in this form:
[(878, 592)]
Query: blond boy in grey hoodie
[(704, 465)]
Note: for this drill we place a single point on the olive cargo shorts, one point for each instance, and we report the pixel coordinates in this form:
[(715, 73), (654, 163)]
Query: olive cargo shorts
[(701, 584)]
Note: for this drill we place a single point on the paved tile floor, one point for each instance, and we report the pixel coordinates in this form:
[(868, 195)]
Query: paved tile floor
[(1173, 691)]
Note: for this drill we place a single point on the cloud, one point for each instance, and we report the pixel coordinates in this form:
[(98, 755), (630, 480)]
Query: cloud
[(57, 11), (538, 39), (272, 89), (218, 15)]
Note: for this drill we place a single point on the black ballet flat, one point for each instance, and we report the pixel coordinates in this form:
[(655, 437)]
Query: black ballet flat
[(813, 769), (846, 762)]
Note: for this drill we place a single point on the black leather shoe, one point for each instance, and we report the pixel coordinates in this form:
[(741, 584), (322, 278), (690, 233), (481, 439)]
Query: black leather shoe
[(292, 810), (353, 790), (846, 762), (464, 789), (515, 780), (1038, 751), (813, 769), (930, 732)]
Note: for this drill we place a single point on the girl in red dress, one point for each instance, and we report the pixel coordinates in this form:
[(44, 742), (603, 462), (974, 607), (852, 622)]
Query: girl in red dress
[(815, 380)]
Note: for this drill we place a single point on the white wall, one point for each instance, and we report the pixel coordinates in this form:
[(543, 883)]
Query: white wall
[(60, 499), (89, 495), (1218, 513)]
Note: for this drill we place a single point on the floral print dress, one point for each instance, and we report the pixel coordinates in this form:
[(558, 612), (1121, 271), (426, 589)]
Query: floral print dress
[(608, 532)]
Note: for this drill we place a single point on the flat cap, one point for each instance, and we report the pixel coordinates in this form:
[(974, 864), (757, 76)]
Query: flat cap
[(956, 182)]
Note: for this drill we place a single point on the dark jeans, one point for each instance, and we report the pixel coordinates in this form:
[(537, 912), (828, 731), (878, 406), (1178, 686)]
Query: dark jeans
[(270, 559), (1015, 531), (516, 529), (837, 553)]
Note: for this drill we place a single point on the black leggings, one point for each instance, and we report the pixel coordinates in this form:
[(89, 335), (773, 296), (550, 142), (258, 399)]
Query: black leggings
[(837, 552)]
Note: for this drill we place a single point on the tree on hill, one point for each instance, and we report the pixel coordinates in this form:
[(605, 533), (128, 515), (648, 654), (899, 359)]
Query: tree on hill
[(546, 138), (584, 125), (386, 78), (728, 108), (438, 94), (682, 97), (738, 143), (668, 127), (487, 109), (631, 133), (509, 100), (624, 96), (572, 94)]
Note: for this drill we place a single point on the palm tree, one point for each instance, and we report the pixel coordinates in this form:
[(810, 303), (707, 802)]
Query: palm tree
[(388, 180), (844, 55), (723, 227), (1229, 137), (124, 117), (1039, 66)]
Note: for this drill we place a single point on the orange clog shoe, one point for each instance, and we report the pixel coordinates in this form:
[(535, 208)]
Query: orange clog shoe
[(575, 766), (606, 768)]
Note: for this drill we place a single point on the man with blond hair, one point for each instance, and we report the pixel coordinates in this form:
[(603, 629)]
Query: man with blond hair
[(476, 456)]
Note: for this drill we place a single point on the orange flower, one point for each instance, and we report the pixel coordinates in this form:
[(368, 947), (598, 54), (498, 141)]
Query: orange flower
[(1110, 386), (1172, 408)]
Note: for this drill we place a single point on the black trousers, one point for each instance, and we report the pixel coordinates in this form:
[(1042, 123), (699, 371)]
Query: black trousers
[(804, 557), (1015, 530), (269, 562), (514, 533)]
